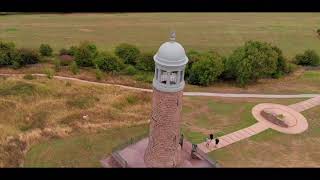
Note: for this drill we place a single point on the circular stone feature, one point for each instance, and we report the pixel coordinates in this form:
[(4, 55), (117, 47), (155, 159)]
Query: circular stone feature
[(295, 121)]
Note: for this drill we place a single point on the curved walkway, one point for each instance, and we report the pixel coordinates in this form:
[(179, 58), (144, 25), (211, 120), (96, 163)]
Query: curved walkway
[(229, 95), (261, 125)]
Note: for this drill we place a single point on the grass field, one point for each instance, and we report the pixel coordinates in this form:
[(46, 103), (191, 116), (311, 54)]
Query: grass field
[(213, 115), (273, 149), (267, 149), (302, 81), (85, 150), (39, 109), (292, 32), (220, 115)]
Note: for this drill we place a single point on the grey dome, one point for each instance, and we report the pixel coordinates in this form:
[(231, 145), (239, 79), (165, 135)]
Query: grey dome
[(171, 54)]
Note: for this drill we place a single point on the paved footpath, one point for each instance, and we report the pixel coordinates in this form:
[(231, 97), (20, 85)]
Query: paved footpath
[(234, 137), (255, 128), (304, 105), (229, 95)]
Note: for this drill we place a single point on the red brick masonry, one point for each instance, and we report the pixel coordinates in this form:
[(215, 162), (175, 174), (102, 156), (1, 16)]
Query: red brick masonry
[(163, 149)]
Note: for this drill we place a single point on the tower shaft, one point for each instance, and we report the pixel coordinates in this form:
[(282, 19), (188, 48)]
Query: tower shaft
[(163, 149)]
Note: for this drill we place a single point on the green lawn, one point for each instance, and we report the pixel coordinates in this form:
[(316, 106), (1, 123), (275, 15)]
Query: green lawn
[(274, 149), (85, 150), (205, 115), (292, 32)]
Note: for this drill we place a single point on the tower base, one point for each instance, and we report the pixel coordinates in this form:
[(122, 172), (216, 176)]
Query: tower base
[(133, 157)]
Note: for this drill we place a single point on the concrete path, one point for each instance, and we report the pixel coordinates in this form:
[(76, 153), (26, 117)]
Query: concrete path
[(304, 105), (234, 137), (260, 126), (229, 95)]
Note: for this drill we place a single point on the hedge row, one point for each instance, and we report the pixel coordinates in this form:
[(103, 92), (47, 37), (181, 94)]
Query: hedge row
[(11, 56), (246, 64), (125, 56)]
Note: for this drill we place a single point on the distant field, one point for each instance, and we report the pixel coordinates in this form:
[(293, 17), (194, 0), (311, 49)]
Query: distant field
[(292, 32)]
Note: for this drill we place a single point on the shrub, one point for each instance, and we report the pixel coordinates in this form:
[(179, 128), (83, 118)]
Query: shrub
[(282, 64), (45, 50), (71, 51), (49, 72), (145, 62), (8, 53), (66, 60), (10, 57), (28, 56), (318, 31), (63, 51), (130, 70), (74, 68), (308, 58), (144, 77), (129, 53), (206, 70), (252, 61), (57, 65), (99, 73), (193, 56), (291, 68), (4, 46), (85, 54), (15, 65), (108, 62)]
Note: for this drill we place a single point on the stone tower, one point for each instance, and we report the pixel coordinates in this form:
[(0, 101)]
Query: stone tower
[(163, 149)]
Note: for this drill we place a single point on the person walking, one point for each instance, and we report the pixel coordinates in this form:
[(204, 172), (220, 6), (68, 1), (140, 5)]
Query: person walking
[(216, 142), (181, 140), (211, 137), (208, 142)]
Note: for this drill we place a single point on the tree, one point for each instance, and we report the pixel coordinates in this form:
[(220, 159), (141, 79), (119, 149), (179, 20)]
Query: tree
[(252, 61), (129, 53), (145, 62), (308, 58), (85, 54), (108, 62), (206, 69), (193, 57), (45, 50)]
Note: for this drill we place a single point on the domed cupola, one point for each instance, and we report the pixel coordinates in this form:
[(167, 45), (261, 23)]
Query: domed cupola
[(170, 62)]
